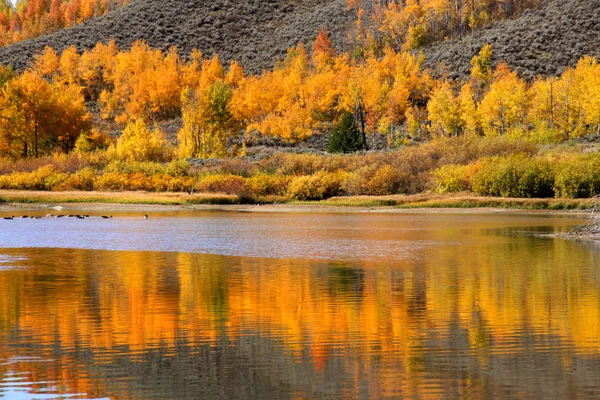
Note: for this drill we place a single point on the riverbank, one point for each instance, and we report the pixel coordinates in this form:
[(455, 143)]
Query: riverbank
[(134, 201)]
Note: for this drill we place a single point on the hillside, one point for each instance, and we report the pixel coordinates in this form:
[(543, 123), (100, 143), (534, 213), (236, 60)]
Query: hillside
[(541, 41), (257, 33), (254, 32)]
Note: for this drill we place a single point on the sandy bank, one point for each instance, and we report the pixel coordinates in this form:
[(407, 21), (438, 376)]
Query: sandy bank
[(15, 208), (464, 203)]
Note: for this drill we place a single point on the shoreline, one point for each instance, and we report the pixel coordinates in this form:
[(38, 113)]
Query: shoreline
[(399, 204)]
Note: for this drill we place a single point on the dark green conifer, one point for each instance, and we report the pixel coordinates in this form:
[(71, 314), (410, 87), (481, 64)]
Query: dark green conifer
[(345, 137)]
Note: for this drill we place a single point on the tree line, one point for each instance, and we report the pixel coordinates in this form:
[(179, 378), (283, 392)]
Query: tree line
[(26, 19), (409, 24), (49, 107)]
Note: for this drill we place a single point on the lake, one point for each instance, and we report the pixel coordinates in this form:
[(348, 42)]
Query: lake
[(199, 305)]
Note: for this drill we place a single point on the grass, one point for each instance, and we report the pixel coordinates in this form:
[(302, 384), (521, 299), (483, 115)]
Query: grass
[(31, 197), (462, 200), (425, 200)]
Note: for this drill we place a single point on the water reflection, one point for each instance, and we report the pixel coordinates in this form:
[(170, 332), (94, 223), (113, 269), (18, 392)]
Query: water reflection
[(502, 315)]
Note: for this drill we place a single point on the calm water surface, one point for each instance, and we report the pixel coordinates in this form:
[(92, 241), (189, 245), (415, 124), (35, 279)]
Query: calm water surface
[(272, 306)]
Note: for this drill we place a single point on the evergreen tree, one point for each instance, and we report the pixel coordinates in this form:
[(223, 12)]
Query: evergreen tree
[(345, 137)]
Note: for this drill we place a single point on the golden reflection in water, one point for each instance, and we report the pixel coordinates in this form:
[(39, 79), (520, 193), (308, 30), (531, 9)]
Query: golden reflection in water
[(491, 317)]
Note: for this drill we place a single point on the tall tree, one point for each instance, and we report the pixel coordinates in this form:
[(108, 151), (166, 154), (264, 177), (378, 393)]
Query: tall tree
[(39, 117)]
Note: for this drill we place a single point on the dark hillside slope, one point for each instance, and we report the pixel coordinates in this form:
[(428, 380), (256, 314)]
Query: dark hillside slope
[(541, 41), (254, 32), (258, 32)]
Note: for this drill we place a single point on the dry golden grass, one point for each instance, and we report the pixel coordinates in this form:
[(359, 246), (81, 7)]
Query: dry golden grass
[(21, 196), (425, 200), (459, 200)]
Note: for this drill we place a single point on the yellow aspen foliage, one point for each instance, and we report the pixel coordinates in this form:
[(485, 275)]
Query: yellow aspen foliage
[(92, 141), (444, 111), (436, 13), (282, 110), (481, 64), (352, 99), (145, 84), (87, 10), (249, 101), (409, 24), (410, 85), (68, 66), (7, 74), (160, 88), (376, 88), (409, 70), (469, 119), (504, 107), (569, 116), (322, 95), (235, 75), (207, 121), (397, 104), (190, 71), (543, 110), (481, 71), (73, 119), (46, 64), (37, 117), (139, 143), (588, 71), (24, 19), (402, 23), (415, 122), (72, 12), (94, 68), (212, 71)]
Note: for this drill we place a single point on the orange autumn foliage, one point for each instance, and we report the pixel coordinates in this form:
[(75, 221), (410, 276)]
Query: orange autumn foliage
[(31, 18)]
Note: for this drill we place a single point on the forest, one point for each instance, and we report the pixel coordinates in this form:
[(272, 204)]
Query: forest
[(59, 117), (27, 19), (410, 24)]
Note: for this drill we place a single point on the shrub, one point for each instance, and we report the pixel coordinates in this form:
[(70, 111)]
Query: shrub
[(387, 180), (292, 164), (111, 181), (451, 178), (268, 185), (44, 178), (319, 186), (357, 183), (373, 180), (81, 180), (178, 168), (578, 177), (138, 143), (168, 183), (227, 184), (514, 176), (132, 167)]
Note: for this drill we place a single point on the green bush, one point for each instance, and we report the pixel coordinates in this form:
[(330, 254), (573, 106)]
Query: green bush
[(515, 176), (578, 177), (178, 168)]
